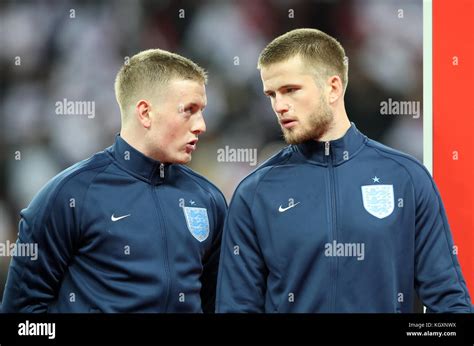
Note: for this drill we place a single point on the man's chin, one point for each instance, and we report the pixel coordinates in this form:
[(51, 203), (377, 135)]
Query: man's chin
[(293, 137), (184, 159), (297, 137)]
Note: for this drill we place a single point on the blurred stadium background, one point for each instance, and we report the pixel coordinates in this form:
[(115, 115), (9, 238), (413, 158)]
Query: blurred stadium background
[(73, 50)]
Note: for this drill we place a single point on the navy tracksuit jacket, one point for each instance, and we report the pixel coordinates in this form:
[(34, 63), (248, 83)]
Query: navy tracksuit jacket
[(342, 226), (119, 232)]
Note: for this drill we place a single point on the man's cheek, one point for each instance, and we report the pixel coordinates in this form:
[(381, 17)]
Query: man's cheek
[(172, 139)]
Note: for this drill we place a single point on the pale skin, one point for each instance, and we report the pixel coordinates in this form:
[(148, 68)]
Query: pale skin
[(166, 126), (296, 97)]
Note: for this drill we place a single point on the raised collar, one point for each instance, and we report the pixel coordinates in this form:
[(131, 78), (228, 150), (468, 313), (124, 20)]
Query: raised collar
[(335, 152), (133, 161)]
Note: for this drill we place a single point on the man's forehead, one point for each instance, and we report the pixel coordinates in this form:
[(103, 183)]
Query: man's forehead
[(293, 66), (188, 89), (187, 85), (282, 73)]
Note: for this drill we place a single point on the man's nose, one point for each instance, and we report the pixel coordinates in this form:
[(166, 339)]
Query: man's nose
[(280, 106), (199, 125)]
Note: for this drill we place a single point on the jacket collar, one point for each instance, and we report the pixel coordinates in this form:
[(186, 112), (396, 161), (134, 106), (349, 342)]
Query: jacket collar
[(337, 151), (136, 163)]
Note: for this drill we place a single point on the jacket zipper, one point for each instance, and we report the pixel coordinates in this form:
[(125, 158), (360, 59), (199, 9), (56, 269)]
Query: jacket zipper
[(163, 235), (332, 210), (162, 170)]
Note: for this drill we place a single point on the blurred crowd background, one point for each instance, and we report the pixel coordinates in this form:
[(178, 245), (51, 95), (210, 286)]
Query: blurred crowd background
[(73, 49)]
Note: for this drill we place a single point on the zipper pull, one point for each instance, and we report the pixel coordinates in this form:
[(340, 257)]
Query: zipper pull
[(326, 148), (162, 170)]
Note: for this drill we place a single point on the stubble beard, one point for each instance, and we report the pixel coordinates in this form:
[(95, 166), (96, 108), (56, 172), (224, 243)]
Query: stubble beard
[(317, 124)]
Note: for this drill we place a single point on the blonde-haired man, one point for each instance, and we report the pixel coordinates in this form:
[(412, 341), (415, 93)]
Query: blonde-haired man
[(335, 222), (130, 229)]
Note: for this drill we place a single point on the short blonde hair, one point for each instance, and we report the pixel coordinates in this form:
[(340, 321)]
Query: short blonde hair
[(144, 71), (317, 49)]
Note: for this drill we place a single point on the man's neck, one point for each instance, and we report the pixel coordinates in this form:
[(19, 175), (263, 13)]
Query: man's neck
[(132, 140), (337, 129)]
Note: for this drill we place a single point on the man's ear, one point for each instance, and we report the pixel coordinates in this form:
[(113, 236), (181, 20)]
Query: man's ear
[(143, 113), (335, 88)]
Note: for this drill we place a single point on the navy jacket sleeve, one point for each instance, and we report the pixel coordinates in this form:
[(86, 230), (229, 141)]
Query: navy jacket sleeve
[(211, 259), (438, 278), (50, 223), (242, 274)]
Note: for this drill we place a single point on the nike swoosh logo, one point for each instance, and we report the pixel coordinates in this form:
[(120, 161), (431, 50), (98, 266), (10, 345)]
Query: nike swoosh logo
[(113, 218), (281, 210)]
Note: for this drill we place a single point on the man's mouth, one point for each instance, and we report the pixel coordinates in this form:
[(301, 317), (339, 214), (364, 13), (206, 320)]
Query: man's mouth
[(191, 145), (288, 123)]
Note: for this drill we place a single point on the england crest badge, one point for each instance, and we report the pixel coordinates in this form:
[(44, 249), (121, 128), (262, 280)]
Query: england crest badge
[(197, 222), (378, 200)]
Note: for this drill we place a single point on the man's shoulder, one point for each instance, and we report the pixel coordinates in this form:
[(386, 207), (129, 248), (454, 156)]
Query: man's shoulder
[(82, 171), (201, 181), (279, 159), (71, 182), (407, 162)]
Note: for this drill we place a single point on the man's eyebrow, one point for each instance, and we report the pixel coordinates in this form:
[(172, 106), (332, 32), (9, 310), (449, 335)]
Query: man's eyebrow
[(201, 105), (290, 85)]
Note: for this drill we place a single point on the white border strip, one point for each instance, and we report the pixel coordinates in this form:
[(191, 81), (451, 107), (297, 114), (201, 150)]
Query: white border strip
[(428, 85)]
